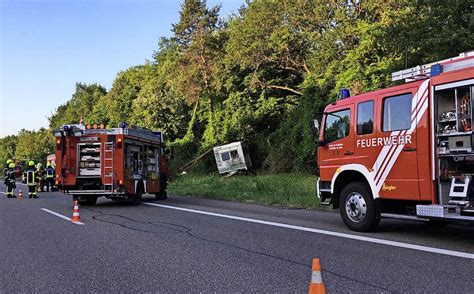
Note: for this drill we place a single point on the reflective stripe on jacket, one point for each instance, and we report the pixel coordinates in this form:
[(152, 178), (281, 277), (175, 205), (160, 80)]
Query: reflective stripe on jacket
[(31, 177), (50, 173), (11, 176)]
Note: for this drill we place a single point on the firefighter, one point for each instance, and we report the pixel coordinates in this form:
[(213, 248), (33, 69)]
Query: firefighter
[(31, 179), (5, 170), (10, 181), (49, 176), (41, 177)]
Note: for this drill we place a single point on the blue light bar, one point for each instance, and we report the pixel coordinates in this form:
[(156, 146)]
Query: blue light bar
[(123, 125), (159, 135), (344, 93), (436, 69)]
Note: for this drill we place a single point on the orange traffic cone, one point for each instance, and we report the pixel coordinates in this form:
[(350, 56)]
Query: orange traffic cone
[(316, 286), (76, 217), (20, 194)]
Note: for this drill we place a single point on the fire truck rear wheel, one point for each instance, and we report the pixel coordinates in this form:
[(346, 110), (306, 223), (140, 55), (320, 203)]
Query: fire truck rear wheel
[(358, 208), (137, 198), (161, 196)]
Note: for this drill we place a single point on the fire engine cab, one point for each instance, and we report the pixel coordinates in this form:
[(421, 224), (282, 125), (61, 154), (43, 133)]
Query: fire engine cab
[(119, 163), (406, 151)]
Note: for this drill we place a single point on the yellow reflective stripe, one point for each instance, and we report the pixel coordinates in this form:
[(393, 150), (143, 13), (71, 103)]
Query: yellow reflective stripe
[(30, 177)]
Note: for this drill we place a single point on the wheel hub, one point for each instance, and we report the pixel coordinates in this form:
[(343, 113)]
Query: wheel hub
[(356, 207)]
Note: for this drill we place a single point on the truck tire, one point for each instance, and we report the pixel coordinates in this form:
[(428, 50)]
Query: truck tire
[(358, 208), (89, 201), (162, 195), (137, 198)]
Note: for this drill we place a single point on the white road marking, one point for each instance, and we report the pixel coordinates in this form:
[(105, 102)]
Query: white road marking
[(3, 193), (61, 216), (329, 233)]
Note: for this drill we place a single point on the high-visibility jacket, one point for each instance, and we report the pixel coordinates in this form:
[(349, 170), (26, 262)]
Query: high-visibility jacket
[(49, 172), (11, 175), (40, 173), (31, 176)]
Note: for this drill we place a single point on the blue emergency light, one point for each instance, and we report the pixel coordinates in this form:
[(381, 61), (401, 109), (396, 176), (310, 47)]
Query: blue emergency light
[(436, 69), (158, 134), (123, 125), (344, 93)]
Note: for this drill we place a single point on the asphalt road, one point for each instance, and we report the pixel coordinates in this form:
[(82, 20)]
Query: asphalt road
[(145, 248)]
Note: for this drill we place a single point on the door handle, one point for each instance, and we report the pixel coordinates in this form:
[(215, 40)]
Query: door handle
[(409, 149), (348, 153)]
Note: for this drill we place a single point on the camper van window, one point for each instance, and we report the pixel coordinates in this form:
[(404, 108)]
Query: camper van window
[(225, 156), (234, 154)]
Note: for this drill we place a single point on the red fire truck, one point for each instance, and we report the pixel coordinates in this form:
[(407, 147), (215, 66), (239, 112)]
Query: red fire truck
[(119, 163), (406, 151)]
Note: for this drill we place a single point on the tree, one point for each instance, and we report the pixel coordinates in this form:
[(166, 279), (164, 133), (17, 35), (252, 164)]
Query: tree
[(158, 106), (32, 145), (272, 41), (81, 103), (7, 148), (198, 45), (261, 75)]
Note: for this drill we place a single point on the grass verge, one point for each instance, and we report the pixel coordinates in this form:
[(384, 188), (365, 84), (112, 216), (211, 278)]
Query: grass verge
[(290, 190)]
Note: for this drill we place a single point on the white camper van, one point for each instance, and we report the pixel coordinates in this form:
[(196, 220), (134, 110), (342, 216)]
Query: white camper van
[(231, 158)]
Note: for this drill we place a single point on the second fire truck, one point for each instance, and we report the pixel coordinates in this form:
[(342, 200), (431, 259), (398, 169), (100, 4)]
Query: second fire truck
[(119, 163)]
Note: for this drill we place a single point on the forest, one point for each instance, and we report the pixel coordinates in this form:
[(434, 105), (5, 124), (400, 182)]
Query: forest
[(260, 75)]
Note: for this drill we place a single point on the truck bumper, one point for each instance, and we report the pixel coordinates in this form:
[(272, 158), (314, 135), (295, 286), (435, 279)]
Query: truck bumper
[(94, 192), (448, 212)]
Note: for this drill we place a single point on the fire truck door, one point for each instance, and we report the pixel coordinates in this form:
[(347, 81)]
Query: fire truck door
[(337, 140), (397, 170)]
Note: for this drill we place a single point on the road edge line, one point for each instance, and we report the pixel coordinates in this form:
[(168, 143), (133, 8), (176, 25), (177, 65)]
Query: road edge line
[(329, 233), (61, 216)]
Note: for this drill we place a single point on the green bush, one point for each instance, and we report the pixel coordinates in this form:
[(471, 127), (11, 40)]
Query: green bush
[(290, 190)]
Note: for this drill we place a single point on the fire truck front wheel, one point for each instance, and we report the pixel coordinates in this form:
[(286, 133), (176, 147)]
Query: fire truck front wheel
[(358, 208)]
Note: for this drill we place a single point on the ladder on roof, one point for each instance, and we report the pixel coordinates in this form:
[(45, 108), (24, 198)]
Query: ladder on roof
[(109, 174), (425, 71)]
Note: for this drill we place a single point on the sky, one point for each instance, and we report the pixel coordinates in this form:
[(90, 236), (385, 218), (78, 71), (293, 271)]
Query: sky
[(46, 46)]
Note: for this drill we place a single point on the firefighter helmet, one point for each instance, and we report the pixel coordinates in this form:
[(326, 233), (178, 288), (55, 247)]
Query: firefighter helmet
[(9, 161), (31, 163), (11, 165)]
